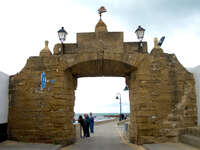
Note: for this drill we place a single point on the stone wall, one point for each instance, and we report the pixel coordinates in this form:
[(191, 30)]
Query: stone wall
[(162, 99), (162, 96), (41, 115)]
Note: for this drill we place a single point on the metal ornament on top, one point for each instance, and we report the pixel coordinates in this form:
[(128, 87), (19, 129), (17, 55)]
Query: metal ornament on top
[(101, 10)]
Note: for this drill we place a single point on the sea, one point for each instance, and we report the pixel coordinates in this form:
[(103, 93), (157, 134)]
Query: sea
[(97, 116)]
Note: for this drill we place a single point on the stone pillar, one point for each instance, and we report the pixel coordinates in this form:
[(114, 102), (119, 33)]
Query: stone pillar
[(162, 99), (42, 115), (133, 126), (141, 108)]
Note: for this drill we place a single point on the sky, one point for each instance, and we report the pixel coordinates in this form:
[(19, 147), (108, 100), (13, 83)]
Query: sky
[(25, 25), (98, 94)]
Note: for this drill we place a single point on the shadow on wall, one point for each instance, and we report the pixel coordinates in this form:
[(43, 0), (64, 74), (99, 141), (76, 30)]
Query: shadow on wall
[(4, 80)]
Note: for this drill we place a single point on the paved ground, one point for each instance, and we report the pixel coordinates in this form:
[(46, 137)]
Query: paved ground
[(10, 145), (106, 137), (169, 146)]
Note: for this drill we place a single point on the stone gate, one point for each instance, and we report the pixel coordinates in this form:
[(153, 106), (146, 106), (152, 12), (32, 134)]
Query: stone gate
[(161, 90)]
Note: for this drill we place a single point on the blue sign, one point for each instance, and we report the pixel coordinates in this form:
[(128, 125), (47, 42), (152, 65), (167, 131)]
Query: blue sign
[(52, 81), (43, 80)]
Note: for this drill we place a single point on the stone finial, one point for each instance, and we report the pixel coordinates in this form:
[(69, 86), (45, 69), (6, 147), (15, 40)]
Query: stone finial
[(156, 49), (156, 43), (101, 27), (46, 44), (45, 51)]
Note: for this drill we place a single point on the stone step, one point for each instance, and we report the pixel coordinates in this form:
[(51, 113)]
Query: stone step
[(190, 140)]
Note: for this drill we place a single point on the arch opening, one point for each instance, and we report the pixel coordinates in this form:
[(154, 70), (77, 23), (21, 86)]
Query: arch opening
[(106, 73), (98, 95)]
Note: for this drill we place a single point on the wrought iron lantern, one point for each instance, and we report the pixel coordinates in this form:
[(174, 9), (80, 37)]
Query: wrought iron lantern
[(62, 34), (140, 33)]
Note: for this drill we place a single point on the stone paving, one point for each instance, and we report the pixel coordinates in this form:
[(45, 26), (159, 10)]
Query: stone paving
[(169, 146), (106, 137), (11, 145)]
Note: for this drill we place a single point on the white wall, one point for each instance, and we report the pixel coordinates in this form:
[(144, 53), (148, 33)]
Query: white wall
[(4, 80), (196, 73)]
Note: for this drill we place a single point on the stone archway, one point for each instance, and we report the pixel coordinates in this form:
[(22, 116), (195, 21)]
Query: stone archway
[(162, 96)]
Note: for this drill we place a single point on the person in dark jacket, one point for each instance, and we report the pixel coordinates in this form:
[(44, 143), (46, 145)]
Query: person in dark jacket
[(91, 123), (83, 125), (87, 120)]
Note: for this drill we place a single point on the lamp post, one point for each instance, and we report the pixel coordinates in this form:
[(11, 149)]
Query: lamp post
[(126, 88), (140, 35), (62, 36), (120, 101), (119, 97)]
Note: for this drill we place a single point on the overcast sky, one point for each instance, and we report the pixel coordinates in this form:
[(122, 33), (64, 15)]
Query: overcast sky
[(26, 24)]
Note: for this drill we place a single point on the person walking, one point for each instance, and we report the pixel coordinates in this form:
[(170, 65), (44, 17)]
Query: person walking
[(87, 120), (83, 125), (91, 123)]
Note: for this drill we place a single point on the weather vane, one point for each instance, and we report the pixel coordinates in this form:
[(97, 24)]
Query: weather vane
[(101, 10)]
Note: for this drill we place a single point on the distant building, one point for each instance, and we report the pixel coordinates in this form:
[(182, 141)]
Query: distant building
[(196, 72), (4, 80)]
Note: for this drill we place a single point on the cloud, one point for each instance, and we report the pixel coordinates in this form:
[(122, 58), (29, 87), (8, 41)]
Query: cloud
[(155, 14)]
